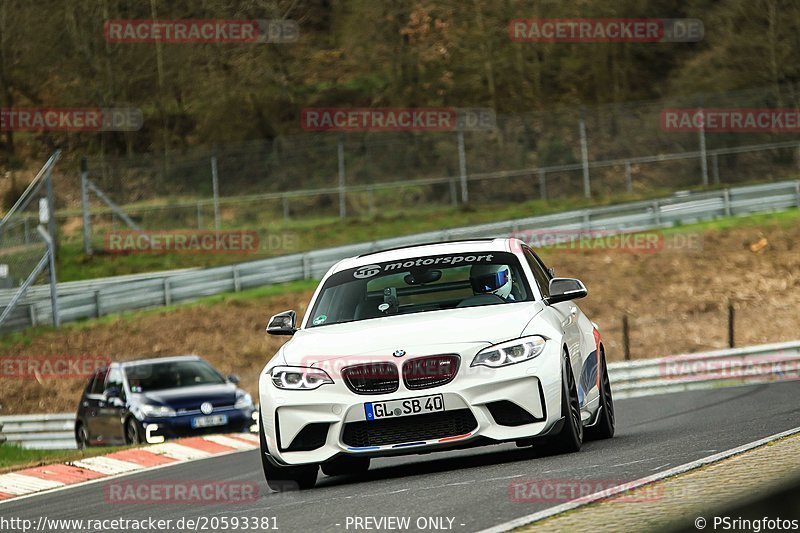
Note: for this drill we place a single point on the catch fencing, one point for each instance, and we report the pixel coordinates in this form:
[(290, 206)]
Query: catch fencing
[(79, 300)]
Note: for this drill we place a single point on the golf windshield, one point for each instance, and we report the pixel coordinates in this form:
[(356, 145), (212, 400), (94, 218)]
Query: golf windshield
[(420, 284), (148, 377)]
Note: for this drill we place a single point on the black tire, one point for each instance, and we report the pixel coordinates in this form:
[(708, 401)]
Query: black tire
[(285, 478), (605, 426), (133, 432), (81, 437), (344, 466), (570, 438)]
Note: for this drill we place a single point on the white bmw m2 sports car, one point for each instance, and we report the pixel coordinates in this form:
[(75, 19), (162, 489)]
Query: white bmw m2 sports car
[(427, 348)]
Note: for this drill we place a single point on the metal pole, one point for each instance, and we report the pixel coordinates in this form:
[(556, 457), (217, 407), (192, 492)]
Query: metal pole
[(715, 167), (87, 244), (703, 160), (731, 320), (342, 199), (543, 184), (51, 248), (587, 191), (628, 177), (462, 167), (215, 186), (51, 207)]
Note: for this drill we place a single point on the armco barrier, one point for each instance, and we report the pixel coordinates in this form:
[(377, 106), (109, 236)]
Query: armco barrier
[(629, 379), (95, 298)]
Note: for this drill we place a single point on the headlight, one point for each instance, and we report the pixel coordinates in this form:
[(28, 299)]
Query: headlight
[(510, 352), (157, 411), (299, 378), (243, 401)]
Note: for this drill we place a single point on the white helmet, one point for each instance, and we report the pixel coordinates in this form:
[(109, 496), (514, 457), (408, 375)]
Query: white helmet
[(494, 279)]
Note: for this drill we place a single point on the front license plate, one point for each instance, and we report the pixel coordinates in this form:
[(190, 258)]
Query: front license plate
[(411, 406), (209, 421)]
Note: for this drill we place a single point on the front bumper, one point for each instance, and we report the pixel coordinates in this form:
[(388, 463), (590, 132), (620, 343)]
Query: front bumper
[(534, 386), (158, 429)]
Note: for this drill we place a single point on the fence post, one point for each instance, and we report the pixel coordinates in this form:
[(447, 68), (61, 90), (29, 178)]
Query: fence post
[(587, 190), (215, 186), (87, 244), (731, 320), (543, 183), (703, 161), (626, 343), (462, 167), (342, 199), (628, 177)]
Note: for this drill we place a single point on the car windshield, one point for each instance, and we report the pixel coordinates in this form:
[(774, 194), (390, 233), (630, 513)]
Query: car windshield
[(148, 377), (420, 284)]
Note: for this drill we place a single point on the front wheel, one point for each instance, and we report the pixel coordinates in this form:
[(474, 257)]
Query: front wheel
[(133, 432), (605, 426), (82, 437), (570, 438), (285, 478)]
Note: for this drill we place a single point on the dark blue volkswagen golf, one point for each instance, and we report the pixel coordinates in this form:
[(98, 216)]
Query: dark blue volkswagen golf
[(150, 400)]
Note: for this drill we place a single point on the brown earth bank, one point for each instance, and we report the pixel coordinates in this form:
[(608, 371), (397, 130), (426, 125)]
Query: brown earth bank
[(676, 298)]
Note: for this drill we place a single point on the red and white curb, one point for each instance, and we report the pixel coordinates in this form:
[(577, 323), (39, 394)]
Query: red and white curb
[(55, 476)]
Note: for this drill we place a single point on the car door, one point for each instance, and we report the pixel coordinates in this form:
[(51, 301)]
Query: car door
[(90, 405), (567, 312), (111, 409)]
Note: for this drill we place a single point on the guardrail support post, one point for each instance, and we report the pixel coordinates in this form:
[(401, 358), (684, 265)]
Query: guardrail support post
[(726, 199), (731, 321), (626, 342), (167, 292), (98, 307), (237, 282)]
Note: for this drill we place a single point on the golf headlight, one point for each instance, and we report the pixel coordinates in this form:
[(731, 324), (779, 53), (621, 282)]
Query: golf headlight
[(243, 401), (157, 411), (299, 378), (510, 352)]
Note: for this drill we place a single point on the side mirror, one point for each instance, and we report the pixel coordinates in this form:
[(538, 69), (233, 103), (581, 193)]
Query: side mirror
[(111, 393), (233, 378), (282, 323), (565, 289)]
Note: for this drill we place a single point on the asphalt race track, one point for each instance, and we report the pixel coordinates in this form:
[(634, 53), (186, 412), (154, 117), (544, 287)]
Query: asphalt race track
[(471, 487)]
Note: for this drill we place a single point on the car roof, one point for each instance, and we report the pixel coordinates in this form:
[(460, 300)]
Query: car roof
[(168, 359), (431, 248)]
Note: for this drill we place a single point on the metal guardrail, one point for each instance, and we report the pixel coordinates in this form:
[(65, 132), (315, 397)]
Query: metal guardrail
[(40, 431), (95, 298), (678, 373), (629, 379)]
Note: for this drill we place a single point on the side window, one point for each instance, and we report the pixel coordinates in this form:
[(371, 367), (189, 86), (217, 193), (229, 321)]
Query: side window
[(542, 279), (114, 379), (98, 384)]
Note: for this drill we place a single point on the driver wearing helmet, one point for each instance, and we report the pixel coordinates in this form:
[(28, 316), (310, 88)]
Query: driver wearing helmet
[(491, 279)]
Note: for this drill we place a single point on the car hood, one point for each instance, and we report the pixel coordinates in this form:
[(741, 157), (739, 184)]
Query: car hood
[(190, 398), (421, 333)]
